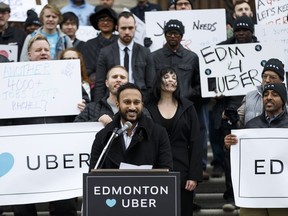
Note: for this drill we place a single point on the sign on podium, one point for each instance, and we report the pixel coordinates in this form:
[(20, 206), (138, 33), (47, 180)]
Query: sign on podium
[(131, 192)]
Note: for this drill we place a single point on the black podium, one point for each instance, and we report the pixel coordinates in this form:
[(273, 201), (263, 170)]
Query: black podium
[(131, 193)]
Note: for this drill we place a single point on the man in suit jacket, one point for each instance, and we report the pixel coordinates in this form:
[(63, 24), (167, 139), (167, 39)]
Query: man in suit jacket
[(140, 65)]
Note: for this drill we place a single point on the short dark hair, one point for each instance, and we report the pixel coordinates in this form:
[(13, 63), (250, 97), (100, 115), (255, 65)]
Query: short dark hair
[(69, 16), (128, 86), (126, 14), (238, 2)]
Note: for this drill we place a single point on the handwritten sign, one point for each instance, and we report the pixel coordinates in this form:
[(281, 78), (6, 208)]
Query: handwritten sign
[(259, 168), (40, 88), (271, 11), (58, 156), (234, 69), (202, 27), (277, 34), (19, 8), (9, 51)]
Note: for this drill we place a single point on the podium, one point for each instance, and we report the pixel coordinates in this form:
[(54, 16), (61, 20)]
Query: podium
[(131, 193)]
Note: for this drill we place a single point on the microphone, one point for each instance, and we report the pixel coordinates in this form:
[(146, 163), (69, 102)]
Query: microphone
[(125, 127)]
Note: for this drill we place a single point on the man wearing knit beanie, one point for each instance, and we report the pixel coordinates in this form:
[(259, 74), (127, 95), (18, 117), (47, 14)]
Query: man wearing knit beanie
[(281, 90), (276, 66), (32, 22), (183, 5)]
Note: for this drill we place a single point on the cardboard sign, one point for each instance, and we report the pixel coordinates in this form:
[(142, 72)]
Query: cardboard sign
[(274, 34), (271, 11), (234, 69), (9, 51), (131, 193), (40, 88), (202, 27), (259, 168), (41, 163), (19, 8)]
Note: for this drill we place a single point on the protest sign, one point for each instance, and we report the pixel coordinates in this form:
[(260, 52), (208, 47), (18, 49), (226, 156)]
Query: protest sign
[(9, 51), (274, 34), (86, 33), (271, 11), (41, 163), (40, 88), (234, 69), (259, 168), (202, 27), (19, 8)]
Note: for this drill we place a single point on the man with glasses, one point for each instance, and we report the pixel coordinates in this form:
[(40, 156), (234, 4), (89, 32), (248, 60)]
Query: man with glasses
[(183, 5)]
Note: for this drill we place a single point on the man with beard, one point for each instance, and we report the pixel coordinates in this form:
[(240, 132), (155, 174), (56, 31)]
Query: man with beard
[(144, 143), (125, 52), (104, 110)]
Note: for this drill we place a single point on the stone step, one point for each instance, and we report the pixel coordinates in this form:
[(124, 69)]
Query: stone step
[(214, 212)]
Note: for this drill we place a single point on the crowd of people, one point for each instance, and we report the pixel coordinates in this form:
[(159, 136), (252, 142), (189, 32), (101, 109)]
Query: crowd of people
[(123, 81)]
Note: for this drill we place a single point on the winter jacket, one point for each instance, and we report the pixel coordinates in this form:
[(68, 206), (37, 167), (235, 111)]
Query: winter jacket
[(149, 146)]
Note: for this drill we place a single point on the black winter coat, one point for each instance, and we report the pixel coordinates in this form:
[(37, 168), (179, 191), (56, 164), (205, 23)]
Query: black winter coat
[(149, 146)]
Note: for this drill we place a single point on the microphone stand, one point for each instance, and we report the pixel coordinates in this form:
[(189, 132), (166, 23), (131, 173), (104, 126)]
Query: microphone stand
[(112, 137)]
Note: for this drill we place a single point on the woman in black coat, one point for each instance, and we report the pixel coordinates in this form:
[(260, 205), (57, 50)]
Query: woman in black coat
[(179, 117)]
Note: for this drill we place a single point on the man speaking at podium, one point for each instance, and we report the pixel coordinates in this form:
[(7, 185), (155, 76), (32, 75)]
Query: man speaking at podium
[(139, 141)]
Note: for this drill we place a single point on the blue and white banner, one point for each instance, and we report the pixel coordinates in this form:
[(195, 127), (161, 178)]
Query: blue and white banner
[(41, 163)]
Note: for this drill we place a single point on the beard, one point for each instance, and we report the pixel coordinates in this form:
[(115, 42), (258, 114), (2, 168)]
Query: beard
[(133, 119)]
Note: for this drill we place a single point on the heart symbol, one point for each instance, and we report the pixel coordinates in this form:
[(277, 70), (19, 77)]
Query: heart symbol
[(6, 163), (110, 202)]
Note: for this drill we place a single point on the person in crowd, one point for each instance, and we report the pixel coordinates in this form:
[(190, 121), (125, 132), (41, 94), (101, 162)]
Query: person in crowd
[(32, 23), (274, 115), (144, 143), (10, 35), (179, 117), (242, 8), (106, 3), (50, 17), (105, 21), (135, 58), (81, 9), (201, 104), (183, 5), (171, 5), (39, 50), (224, 109), (72, 53), (104, 110), (251, 106), (143, 6), (69, 26), (185, 62)]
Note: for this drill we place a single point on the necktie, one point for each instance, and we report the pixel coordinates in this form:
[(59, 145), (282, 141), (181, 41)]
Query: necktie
[(126, 59)]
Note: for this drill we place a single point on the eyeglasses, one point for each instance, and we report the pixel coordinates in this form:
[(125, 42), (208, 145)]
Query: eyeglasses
[(186, 4), (105, 19), (175, 33)]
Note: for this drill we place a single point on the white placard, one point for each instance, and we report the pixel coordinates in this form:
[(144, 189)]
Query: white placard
[(19, 8), (202, 27), (234, 69), (41, 163), (86, 33), (274, 34), (9, 51), (271, 11), (40, 88), (259, 168)]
